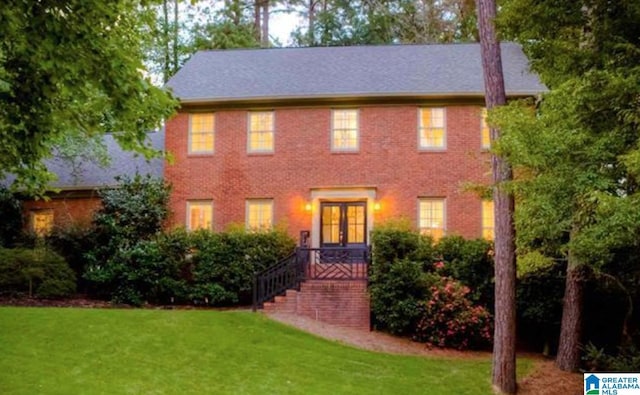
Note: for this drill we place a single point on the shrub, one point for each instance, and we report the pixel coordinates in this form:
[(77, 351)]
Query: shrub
[(130, 214), (396, 240), (150, 271), (73, 243), (396, 295), (224, 263), (36, 272), (449, 319), (539, 296), (627, 359), (471, 263)]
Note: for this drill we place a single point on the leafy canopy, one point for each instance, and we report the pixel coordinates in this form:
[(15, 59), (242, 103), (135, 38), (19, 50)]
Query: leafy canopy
[(72, 67)]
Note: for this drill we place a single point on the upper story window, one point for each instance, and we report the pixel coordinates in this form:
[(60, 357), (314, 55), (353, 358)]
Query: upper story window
[(42, 222), (432, 129), (487, 220), (201, 133), (260, 138), (199, 215), (431, 217), (344, 131), (259, 214), (485, 134)]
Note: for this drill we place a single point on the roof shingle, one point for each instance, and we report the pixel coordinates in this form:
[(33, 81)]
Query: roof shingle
[(360, 71)]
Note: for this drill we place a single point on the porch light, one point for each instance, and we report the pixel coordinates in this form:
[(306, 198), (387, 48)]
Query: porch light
[(308, 206), (376, 206)]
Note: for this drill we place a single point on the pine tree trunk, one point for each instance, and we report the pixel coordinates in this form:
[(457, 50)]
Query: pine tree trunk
[(264, 42), (257, 6), (504, 339), (568, 357), (176, 39)]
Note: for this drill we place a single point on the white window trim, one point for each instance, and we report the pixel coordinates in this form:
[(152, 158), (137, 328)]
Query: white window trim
[(248, 202), (331, 134), (189, 135), (273, 133), (420, 127), (198, 203), (444, 212)]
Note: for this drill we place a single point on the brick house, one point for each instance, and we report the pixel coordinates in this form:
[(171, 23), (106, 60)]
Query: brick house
[(331, 141), (77, 198)]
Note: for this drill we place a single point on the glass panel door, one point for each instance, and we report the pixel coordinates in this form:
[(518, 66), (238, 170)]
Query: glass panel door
[(343, 224)]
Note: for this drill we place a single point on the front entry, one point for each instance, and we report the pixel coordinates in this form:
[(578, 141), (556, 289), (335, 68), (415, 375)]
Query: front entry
[(343, 225)]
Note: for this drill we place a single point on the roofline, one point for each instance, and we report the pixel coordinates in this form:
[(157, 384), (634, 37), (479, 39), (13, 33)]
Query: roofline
[(347, 97)]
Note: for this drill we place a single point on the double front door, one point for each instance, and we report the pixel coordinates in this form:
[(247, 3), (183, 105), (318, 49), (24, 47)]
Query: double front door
[(343, 224)]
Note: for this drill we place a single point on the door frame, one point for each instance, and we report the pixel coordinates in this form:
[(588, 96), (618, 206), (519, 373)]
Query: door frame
[(341, 194)]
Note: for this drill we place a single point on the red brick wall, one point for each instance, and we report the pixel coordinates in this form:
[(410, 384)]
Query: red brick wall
[(67, 210), (388, 159)]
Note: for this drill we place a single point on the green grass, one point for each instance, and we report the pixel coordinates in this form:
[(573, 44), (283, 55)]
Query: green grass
[(109, 351)]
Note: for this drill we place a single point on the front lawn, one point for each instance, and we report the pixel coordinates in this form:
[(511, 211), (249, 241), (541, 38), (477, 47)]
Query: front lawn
[(110, 351)]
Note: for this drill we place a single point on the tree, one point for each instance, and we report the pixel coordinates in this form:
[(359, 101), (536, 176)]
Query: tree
[(504, 352), (578, 156), (72, 67)]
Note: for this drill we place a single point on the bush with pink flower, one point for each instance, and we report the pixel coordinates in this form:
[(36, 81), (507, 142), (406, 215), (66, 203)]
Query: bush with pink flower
[(449, 319)]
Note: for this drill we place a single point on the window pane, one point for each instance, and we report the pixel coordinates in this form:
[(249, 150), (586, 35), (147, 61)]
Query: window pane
[(201, 133), (432, 128), (345, 130), (261, 131), (200, 215), (487, 220), (431, 220), (330, 224), (259, 214), (485, 134), (42, 222)]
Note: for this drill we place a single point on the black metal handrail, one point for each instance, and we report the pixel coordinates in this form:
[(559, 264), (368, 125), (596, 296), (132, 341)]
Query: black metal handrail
[(327, 263), (274, 280)]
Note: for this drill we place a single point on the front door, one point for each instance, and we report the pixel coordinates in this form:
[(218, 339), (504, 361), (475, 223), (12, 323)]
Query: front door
[(343, 224)]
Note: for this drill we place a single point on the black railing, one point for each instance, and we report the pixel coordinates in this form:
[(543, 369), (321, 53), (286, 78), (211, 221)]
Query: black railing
[(274, 280), (332, 263)]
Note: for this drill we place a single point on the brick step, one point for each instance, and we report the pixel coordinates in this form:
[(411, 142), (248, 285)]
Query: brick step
[(343, 303)]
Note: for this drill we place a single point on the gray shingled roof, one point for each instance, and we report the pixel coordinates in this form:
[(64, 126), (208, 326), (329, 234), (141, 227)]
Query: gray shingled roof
[(91, 176), (361, 71)]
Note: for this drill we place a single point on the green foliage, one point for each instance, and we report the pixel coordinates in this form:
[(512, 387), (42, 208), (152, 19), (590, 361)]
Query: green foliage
[(448, 318), (397, 240), (397, 294), (471, 263), (149, 271), (343, 22), (627, 359), (73, 243), (130, 214), (11, 214), (539, 295), (72, 67), (36, 272), (224, 263), (410, 296)]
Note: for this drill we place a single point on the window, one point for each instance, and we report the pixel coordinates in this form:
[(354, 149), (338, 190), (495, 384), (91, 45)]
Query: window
[(344, 133), (42, 222), (260, 137), (259, 214), (201, 133), (199, 215), (487, 219), (484, 130), (431, 217), (432, 131)]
